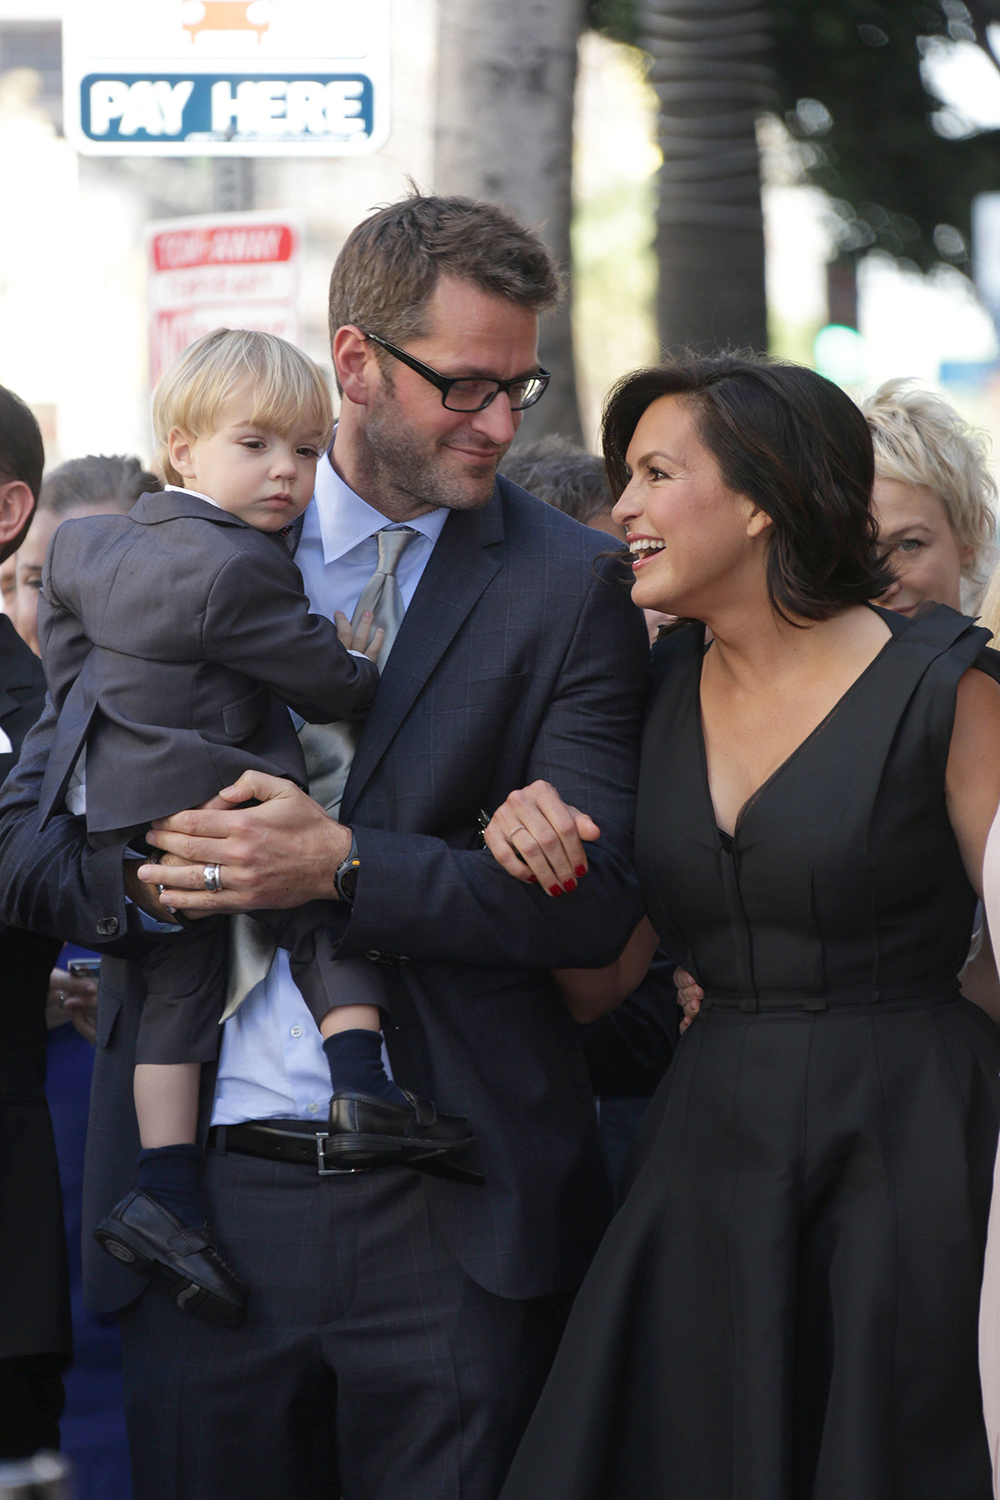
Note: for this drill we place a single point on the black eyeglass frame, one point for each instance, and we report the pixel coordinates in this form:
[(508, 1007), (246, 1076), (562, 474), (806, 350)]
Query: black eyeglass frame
[(444, 383)]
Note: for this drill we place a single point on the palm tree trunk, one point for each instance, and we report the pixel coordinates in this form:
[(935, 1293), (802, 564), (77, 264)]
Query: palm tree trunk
[(506, 74), (711, 71)]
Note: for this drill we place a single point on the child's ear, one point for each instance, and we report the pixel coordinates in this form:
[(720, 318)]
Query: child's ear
[(181, 448)]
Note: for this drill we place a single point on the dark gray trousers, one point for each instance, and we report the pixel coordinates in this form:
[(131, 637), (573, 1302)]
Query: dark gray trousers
[(370, 1367)]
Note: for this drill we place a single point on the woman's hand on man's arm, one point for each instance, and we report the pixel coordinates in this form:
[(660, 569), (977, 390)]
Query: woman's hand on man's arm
[(537, 837)]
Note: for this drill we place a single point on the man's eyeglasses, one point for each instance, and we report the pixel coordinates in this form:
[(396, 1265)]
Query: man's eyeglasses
[(472, 393)]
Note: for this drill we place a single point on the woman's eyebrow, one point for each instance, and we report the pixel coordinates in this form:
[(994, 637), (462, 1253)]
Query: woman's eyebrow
[(907, 526), (647, 458)]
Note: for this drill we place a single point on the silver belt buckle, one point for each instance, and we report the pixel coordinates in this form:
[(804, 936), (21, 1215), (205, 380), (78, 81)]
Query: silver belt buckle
[(321, 1166)]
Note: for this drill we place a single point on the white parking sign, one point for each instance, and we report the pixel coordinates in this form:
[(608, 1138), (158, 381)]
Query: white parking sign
[(226, 77)]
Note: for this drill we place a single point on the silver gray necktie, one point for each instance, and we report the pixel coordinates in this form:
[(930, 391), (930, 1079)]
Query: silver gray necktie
[(329, 750)]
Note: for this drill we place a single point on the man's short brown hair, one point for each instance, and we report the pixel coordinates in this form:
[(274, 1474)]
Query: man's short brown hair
[(387, 271)]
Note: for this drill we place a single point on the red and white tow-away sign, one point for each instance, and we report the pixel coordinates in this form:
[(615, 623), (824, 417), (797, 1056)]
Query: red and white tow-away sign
[(221, 271)]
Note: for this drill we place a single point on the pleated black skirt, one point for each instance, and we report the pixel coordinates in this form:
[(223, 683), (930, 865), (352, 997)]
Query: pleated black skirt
[(785, 1307)]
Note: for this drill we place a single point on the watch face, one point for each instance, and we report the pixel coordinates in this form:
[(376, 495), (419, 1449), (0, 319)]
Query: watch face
[(349, 883)]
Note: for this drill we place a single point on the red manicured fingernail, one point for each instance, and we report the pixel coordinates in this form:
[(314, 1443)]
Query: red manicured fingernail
[(555, 890), (532, 879), (580, 871), (569, 885)]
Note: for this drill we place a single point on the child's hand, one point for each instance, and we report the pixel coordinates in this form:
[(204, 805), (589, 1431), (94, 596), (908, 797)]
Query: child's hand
[(357, 640)]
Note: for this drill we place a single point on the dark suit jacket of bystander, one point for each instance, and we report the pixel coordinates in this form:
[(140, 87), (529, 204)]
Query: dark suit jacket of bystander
[(34, 1291)]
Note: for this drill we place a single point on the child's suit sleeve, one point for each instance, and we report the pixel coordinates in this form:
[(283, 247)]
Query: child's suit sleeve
[(257, 621), (62, 641)]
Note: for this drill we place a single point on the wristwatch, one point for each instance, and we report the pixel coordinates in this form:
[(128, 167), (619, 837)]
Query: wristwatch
[(346, 877)]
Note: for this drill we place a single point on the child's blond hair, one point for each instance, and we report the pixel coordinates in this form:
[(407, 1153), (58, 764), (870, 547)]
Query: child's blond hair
[(287, 388), (920, 439)]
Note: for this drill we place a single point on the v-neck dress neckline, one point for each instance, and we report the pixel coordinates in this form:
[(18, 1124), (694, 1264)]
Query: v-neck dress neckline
[(756, 795)]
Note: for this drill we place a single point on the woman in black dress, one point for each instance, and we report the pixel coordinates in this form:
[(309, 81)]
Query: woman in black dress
[(785, 1306)]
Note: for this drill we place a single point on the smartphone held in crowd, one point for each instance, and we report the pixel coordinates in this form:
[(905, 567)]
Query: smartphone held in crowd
[(510, 926)]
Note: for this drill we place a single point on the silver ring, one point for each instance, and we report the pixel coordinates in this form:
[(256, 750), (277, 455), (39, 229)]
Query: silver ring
[(213, 878), (519, 829), (62, 996)]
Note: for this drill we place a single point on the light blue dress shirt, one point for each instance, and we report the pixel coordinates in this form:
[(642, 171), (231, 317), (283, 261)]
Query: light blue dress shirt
[(272, 1062)]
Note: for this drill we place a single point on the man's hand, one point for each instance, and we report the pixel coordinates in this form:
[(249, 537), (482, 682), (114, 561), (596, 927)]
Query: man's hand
[(281, 853), (74, 1000)]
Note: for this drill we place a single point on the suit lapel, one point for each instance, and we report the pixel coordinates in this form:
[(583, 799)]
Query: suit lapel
[(458, 571)]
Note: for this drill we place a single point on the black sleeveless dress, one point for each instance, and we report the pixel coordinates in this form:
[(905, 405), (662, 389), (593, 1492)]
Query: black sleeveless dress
[(785, 1308)]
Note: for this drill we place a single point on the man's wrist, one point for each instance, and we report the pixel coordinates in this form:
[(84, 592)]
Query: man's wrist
[(337, 847), (346, 875)]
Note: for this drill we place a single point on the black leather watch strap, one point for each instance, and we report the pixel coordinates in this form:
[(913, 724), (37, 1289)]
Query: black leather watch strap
[(346, 877)]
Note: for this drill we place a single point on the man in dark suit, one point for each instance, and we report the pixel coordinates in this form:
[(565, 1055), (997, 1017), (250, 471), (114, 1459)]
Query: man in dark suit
[(34, 1295), (400, 1327)]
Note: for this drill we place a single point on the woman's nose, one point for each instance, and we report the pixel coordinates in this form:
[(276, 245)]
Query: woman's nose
[(625, 509)]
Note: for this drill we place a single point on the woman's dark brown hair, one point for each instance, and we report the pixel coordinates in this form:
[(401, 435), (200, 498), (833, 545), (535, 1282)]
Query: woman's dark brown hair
[(794, 444)]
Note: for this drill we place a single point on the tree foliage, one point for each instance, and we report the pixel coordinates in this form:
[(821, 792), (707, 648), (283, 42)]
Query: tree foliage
[(901, 167)]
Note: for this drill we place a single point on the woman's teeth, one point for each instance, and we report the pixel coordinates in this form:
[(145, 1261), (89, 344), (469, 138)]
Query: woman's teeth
[(646, 544)]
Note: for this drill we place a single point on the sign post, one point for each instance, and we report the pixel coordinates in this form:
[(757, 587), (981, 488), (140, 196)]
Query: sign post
[(221, 271), (226, 77)]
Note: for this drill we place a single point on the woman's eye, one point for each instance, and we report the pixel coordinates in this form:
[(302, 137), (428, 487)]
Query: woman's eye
[(658, 474), (911, 545)]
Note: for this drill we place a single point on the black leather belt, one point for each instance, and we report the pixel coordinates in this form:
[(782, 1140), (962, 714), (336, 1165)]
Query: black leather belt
[(278, 1140)]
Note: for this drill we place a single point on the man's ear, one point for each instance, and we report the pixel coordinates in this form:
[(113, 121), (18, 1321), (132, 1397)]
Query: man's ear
[(355, 363), (180, 446), (17, 506)]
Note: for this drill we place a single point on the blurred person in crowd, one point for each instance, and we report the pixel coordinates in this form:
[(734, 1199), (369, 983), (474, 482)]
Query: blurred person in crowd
[(8, 587), (35, 1339), (574, 481), (787, 1302), (934, 498), (402, 1325), (989, 1309), (568, 477), (629, 1051), (97, 485), (93, 1418)]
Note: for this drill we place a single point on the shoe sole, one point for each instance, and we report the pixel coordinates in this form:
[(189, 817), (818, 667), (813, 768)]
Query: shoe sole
[(187, 1294)]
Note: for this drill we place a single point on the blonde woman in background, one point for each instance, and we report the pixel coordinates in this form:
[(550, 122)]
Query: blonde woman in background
[(935, 499)]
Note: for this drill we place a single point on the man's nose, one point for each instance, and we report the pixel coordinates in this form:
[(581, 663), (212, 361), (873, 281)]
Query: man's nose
[(497, 421)]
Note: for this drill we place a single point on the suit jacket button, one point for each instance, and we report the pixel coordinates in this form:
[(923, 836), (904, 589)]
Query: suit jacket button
[(107, 926), (374, 955)]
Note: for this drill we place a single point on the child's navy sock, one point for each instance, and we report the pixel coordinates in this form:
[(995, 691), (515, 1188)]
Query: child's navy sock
[(172, 1175), (355, 1059)]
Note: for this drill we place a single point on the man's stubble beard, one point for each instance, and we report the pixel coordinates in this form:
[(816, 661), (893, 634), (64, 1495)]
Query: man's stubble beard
[(403, 476)]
